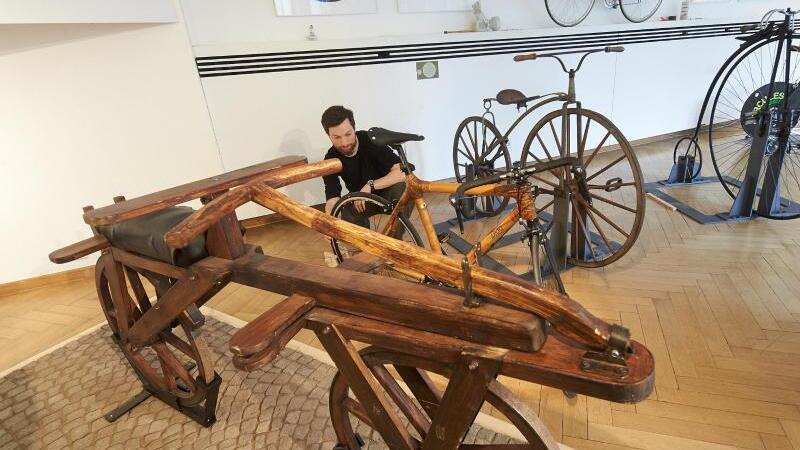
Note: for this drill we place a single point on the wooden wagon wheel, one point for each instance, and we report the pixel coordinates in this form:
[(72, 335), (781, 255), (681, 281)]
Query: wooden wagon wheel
[(163, 365), (419, 406), (605, 226)]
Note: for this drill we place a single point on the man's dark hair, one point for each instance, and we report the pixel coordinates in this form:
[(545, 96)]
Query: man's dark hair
[(335, 115)]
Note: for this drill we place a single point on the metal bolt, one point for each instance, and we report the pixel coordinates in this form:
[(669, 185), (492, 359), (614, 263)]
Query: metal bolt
[(585, 365), (615, 353), (326, 330), (473, 365)]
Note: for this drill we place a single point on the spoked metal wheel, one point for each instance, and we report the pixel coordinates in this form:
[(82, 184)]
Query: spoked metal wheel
[(605, 225), (639, 10), (162, 364), (480, 151), (376, 219), (568, 13), (741, 97), (418, 405), (689, 148)]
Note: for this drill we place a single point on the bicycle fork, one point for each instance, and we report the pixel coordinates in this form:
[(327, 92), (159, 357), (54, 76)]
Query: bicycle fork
[(536, 238)]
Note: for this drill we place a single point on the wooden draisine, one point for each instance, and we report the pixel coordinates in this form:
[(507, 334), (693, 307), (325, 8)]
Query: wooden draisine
[(160, 262)]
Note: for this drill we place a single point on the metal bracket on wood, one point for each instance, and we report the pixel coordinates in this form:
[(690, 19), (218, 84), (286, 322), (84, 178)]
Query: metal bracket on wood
[(612, 361), (470, 300)]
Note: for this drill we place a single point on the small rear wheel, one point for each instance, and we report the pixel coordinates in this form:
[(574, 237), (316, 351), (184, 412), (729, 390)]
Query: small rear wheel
[(479, 151)]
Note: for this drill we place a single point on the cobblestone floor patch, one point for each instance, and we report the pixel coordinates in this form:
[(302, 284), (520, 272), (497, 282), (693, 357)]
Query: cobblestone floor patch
[(58, 401)]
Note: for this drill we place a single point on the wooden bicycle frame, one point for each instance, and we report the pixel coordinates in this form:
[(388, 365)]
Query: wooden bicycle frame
[(416, 188)]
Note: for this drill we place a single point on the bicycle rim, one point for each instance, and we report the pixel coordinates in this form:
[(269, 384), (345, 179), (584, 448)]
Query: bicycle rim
[(568, 13), (638, 10)]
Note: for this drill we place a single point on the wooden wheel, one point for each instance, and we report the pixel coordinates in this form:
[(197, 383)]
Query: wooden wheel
[(163, 365), (479, 150), (418, 405), (605, 225)]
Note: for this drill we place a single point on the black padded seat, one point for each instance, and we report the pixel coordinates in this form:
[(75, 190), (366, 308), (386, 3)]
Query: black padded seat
[(382, 136), (145, 236)]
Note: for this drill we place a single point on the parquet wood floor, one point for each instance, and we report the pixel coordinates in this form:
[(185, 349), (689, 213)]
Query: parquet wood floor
[(718, 305)]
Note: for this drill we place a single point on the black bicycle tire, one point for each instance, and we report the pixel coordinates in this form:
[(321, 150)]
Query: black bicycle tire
[(376, 199), (550, 13), (644, 19)]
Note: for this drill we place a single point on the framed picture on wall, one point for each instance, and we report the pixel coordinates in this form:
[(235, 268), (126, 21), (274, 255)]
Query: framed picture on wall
[(324, 7), (415, 6)]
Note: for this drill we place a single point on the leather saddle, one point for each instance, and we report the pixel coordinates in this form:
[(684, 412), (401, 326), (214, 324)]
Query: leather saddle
[(512, 97), (382, 136), (145, 236)]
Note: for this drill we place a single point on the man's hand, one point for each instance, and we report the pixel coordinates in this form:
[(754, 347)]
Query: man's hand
[(360, 206)]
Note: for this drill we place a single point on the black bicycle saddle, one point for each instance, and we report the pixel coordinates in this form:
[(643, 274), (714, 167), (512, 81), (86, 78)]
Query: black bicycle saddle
[(382, 136)]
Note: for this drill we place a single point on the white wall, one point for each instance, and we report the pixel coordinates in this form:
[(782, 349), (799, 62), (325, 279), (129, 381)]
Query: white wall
[(651, 89), (214, 22), (89, 112), (86, 11)]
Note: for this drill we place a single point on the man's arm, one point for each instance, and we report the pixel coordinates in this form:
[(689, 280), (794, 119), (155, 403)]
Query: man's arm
[(395, 175)]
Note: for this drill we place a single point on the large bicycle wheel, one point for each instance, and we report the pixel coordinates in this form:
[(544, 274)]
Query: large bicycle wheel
[(479, 151), (568, 13), (605, 225), (379, 212), (639, 10), (416, 407), (741, 96)]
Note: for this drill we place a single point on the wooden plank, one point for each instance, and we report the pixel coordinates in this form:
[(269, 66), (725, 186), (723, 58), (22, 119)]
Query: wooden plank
[(710, 417), (462, 399), (258, 334), (689, 430), (157, 201), (568, 317), (393, 300), (79, 249), (225, 204), (365, 387)]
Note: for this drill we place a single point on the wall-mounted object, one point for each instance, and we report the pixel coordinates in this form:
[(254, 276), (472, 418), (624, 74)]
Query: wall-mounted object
[(427, 70), (417, 6), (87, 11), (324, 7)]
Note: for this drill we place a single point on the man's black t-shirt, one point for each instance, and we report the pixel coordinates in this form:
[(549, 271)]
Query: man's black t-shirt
[(369, 163)]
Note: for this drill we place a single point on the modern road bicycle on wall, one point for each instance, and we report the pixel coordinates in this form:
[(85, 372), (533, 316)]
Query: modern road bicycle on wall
[(569, 13)]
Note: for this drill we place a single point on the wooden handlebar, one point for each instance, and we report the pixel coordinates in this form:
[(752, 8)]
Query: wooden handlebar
[(202, 219), (520, 58)]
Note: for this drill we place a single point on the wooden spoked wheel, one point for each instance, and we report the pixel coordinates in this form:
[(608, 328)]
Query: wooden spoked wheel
[(163, 364), (605, 225), (418, 404), (479, 151)]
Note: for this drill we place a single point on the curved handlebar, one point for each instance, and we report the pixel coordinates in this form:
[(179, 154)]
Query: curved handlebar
[(556, 56), (457, 197)]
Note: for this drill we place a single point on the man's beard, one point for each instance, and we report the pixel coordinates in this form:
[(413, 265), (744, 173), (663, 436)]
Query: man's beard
[(348, 150)]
